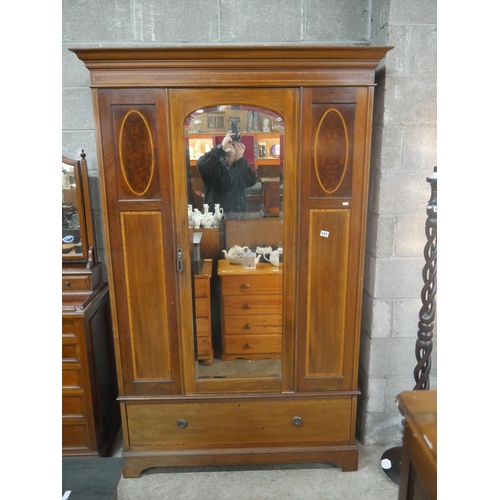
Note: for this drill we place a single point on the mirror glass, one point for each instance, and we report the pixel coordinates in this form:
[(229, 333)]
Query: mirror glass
[(235, 213), (71, 236)]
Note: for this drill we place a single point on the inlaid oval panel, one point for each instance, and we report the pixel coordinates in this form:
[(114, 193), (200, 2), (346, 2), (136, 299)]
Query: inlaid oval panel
[(331, 148), (136, 152)]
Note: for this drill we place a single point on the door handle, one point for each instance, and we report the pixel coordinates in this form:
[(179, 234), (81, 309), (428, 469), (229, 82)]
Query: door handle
[(180, 261)]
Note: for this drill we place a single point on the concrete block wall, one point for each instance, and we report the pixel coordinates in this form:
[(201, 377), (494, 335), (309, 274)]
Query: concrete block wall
[(403, 155), (404, 136)]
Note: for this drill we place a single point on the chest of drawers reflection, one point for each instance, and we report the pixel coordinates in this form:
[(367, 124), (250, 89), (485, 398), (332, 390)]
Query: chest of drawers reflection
[(203, 323), (251, 311)]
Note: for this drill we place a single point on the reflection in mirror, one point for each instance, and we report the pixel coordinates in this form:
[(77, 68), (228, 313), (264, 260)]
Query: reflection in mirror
[(234, 158), (71, 237)]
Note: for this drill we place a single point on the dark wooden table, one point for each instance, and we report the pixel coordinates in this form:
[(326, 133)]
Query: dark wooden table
[(418, 476)]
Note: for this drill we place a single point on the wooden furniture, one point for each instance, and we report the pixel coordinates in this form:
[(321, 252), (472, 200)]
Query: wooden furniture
[(253, 230), (251, 311), (270, 196), (212, 241), (170, 415), (205, 352), (90, 417), (418, 473)]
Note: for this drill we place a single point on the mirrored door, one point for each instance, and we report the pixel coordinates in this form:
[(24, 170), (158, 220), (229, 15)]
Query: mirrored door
[(236, 172), (235, 190)]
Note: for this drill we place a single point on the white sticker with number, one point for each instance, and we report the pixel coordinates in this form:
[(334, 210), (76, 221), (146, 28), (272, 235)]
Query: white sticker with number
[(325, 234)]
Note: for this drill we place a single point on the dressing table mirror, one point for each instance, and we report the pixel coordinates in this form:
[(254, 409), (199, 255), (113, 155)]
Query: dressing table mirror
[(222, 363)]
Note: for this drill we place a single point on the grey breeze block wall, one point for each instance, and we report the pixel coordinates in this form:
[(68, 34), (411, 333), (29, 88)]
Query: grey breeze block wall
[(403, 152)]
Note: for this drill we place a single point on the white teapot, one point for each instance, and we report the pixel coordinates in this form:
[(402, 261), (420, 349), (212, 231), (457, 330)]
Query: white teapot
[(263, 250), (273, 257), (235, 254)]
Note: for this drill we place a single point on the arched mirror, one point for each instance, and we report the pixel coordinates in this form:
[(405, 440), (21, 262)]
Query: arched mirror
[(235, 217)]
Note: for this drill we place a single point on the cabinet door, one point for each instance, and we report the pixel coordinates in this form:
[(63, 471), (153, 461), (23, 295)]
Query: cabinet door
[(136, 189), (335, 162)]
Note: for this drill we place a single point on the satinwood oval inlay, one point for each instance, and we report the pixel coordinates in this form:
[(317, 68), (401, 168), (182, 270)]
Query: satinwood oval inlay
[(136, 152), (331, 151)]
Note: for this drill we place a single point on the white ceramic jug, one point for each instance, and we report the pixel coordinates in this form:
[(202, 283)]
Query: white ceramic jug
[(218, 215), (196, 218), (207, 220)]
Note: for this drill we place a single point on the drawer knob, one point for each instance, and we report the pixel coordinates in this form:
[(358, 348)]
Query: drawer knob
[(248, 326), (182, 423), (248, 306), (67, 283), (297, 421), (245, 285), (248, 345)]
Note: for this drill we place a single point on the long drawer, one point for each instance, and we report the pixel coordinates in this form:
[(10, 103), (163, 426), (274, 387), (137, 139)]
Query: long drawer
[(238, 423)]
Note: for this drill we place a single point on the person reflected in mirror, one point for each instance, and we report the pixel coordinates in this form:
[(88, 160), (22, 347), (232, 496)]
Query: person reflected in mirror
[(226, 174)]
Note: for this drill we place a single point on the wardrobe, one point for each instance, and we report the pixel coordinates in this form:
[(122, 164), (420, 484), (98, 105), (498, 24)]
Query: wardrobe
[(301, 407)]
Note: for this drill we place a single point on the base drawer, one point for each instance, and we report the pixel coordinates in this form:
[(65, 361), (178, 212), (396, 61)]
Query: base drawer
[(238, 423)]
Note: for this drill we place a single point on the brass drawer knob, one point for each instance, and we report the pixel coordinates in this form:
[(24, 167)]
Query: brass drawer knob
[(297, 421), (248, 326), (248, 306), (248, 345), (182, 423), (245, 285), (67, 283)]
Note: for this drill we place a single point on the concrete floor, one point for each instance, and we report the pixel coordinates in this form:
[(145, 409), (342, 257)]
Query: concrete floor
[(301, 482)]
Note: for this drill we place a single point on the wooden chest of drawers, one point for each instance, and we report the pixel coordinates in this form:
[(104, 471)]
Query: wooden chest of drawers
[(251, 311), (90, 412), (205, 352)]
